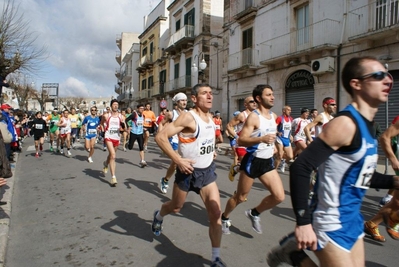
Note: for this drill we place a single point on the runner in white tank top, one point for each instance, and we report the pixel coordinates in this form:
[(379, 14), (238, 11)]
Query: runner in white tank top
[(196, 170), (234, 128), (65, 132), (330, 107), (181, 101), (259, 136), (112, 125)]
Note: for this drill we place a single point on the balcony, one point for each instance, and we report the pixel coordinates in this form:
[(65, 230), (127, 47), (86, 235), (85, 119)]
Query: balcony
[(322, 35), (117, 89), (119, 40), (126, 74), (377, 20), (247, 59), (118, 57), (178, 84), (244, 10), (117, 73), (181, 39), (146, 93), (146, 62)]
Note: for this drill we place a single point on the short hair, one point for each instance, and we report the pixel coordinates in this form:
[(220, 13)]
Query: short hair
[(73, 109), (313, 110), (354, 69), (39, 112), (258, 90), (139, 106), (113, 101), (195, 89), (147, 104)]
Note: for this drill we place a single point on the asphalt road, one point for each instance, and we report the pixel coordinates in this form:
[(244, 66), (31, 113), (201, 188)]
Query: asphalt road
[(64, 213)]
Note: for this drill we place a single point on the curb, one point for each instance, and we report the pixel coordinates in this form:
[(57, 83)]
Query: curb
[(5, 212)]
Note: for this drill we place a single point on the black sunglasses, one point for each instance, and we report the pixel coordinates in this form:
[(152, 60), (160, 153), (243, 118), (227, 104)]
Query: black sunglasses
[(378, 76), (251, 101), (94, 110)]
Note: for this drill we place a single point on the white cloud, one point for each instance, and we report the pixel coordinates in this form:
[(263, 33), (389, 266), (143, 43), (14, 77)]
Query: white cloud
[(80, 38)]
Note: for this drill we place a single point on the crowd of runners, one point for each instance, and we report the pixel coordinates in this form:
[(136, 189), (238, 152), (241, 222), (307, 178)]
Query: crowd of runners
[(326, 200)]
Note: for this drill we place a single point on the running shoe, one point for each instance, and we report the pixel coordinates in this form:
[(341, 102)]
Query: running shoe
[(391, 226), (226, 227), (219, 150), (164, 185), (89, 159), (78, 140), (282, 254), (372, 230), (143, 163), (282, 166), (232, 172), (104, 148), (62, 151), (113, 181), (218, 263), (51, 149), (124, 149), (37, 155), (105, 168), (255, 220), (69, 153), (156, 226)]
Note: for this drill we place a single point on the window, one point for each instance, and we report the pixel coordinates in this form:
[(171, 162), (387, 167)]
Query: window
[(189, 17), (150, 82), (151, 50), (247, 47), (387, 13), (302, 25), (144, 51), (143, 84), (178, 25), (176, 71), (162, 80)]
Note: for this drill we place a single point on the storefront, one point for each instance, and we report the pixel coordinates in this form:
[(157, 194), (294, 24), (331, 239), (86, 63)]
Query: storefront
[(299, 92)]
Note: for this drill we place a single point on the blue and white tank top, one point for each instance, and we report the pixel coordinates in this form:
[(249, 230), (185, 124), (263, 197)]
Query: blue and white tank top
[(343, 180), (137, 124)]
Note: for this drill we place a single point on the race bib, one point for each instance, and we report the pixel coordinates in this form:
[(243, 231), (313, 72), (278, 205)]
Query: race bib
[(368, 169), (92, 131), (39, 126), (206, 146)]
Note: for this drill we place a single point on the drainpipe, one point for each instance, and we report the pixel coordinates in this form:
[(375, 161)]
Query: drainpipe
[(338, 91), (228, 98)]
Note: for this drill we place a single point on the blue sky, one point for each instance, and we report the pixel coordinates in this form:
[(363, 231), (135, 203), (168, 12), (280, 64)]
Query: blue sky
[(80, 39)]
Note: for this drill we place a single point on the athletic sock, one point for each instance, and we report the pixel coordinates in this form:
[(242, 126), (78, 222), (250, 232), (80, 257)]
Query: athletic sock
[(254, 212), (215, 253), (159, 217), (224, 218)]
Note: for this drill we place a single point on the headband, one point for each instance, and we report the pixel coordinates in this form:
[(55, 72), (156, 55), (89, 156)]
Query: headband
[(329, 101)]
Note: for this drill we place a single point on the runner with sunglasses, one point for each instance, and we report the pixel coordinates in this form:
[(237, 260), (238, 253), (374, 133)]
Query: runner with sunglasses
[(332, 225), (90, 125), (234, 128)]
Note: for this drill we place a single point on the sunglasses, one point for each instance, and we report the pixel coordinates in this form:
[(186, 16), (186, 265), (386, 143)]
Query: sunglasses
[(378, 76), (334, 105), (252, 101), (94, 110)]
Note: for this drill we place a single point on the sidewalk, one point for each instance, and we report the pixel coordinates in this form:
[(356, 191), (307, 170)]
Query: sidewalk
[(5, 212)]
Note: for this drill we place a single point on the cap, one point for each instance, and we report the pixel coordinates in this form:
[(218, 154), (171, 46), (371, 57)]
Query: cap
[(179, 96), (5, 106), (217, 112), (236, 113)]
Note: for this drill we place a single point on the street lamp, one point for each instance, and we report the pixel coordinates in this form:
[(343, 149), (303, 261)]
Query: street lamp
[(202, 66)]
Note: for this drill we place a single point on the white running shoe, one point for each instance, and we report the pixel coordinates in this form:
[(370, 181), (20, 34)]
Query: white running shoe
[(90, 159), (69, 153)]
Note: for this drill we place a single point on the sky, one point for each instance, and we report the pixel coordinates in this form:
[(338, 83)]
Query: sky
[(80, 38)]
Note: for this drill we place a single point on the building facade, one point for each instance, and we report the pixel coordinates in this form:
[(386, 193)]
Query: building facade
[(299, 47)]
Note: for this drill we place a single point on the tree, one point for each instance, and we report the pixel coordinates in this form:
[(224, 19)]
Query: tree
[(42, 97), (70, 102), (17, 42), (23, 90)]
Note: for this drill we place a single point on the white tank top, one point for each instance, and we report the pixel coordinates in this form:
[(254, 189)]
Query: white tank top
[(67, 128), (199, 146), (175, 138), (266, 126), (239, 126), (112, 128), (319, 128)]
